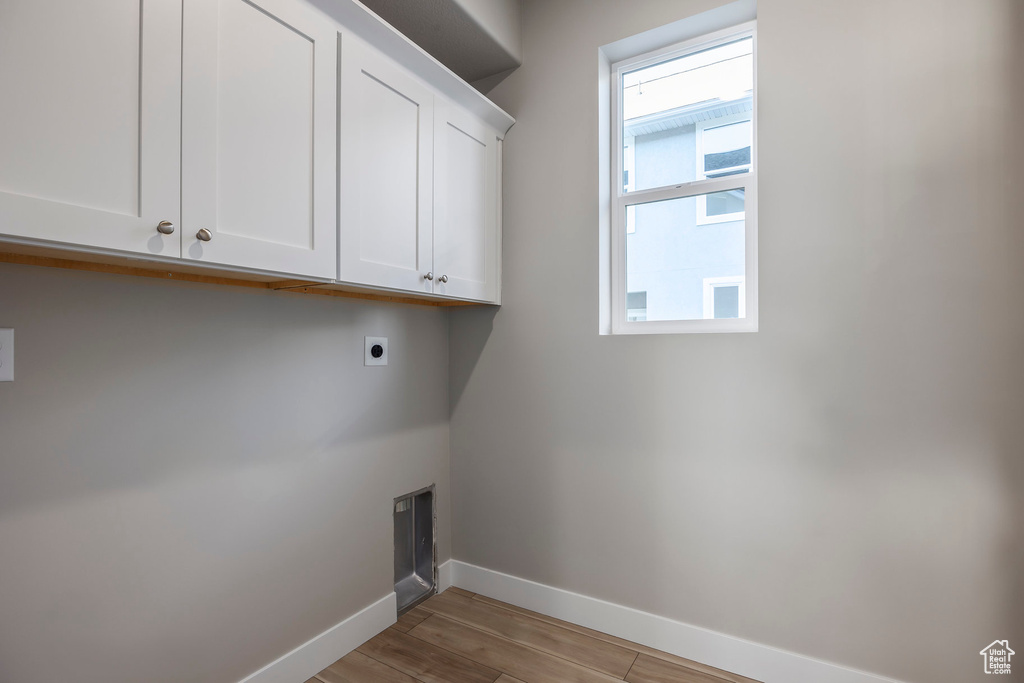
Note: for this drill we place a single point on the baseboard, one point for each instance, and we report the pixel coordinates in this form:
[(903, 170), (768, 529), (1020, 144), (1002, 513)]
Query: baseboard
[(760, 662), (317, 654), (444, 577)]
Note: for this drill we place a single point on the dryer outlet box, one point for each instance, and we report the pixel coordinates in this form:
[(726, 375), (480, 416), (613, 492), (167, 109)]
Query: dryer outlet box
[(375, 351)]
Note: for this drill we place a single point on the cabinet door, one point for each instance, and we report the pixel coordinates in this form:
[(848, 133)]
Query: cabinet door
[(465, 206), (89, 122), (385, 156), (258, 120)]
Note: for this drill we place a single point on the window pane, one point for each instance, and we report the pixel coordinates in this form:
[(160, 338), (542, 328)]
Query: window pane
[(671, 254), (636, 300), (727, 301), (666, 106), (727, 149), (636, 306), (724, 203)]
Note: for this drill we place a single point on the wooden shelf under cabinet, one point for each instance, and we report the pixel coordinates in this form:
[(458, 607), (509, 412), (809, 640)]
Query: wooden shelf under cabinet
[(116, 265)]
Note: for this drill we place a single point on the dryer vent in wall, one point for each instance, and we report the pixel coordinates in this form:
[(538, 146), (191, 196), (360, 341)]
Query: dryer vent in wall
[(415, 566)]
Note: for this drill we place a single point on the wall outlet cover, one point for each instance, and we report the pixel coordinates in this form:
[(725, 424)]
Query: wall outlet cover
[(375, 351), (6, 355)]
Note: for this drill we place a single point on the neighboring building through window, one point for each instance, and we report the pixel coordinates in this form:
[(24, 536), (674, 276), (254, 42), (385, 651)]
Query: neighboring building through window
[(724, 298), (636, 306), (723, 149), (684, 225)]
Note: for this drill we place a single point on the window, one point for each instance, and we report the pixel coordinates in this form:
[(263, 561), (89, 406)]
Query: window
[(724, 298), (723, 149), (636, 306), (684, 195)]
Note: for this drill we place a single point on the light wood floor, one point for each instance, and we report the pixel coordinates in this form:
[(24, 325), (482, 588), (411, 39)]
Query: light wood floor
[(459, 637)]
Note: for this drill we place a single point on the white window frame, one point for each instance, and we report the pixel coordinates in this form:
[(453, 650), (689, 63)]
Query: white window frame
[(629, 164), (702, 201), (713, 283), (620, 199)]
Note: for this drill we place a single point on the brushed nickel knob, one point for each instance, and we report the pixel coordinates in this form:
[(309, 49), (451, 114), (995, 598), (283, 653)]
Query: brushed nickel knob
[(443, 279), (204, 235), (165, 228), (428, 276)]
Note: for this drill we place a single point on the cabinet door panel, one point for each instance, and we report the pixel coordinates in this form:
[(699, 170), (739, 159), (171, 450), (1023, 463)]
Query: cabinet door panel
[(385, 154), (465, 223), (90, 122), (258, 138)]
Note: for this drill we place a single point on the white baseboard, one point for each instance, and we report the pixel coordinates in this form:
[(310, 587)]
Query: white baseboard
[(760, 662), (314, 656), (444, 576)]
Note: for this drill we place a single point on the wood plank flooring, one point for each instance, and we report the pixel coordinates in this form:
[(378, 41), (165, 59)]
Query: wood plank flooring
[(459, 637)]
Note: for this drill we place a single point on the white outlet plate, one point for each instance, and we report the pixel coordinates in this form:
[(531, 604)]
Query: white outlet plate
[(6, 355), (370, 342)]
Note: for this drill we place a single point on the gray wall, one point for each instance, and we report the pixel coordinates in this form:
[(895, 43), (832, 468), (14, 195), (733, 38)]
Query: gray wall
[(480, 40), (846, 483), (501, 19), (194, 480)]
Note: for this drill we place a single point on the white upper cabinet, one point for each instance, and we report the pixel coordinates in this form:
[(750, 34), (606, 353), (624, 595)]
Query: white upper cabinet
[(285, 138), (89, 122), (466, 220), (258, 136), (385, 181)]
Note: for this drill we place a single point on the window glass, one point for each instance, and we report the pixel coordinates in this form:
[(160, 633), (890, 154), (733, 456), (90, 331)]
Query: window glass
[(725, 203), (636, 306), (727, 301), (727, 149), (666, 104), (670, 256)]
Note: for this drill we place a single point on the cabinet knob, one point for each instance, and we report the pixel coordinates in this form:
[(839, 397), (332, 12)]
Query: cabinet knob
[(165, 228), (443, 279), (428, 276), (204, 235)]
